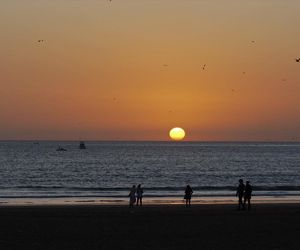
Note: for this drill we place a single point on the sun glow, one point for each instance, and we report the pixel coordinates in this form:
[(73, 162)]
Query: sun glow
[(177, 134)]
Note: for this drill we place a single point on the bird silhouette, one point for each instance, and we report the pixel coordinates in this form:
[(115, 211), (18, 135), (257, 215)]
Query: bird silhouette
[(40, 41), (203, 68), (297, 59)]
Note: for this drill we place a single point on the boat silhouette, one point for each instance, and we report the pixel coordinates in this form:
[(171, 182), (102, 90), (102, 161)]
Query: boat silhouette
[(82, 145), (60, 149)]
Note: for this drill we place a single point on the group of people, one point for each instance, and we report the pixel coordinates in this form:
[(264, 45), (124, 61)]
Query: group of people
[(244, 193), (136, 195)]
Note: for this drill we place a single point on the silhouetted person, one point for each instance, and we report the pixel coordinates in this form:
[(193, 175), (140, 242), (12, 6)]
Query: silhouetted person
[(139, 195), (188, 195), (131, 195), (240, 193), (248, 193)]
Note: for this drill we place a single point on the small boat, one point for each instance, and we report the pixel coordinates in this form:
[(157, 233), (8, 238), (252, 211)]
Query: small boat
[(82, 145), (60, 149)]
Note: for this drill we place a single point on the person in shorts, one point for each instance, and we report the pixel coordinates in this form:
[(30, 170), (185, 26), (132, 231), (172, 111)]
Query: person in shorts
[(248, 194), (132, 198), (240, 193), (139, 195), (188, 195)]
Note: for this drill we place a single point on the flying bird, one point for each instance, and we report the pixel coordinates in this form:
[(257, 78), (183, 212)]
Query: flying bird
[(203, 68), (40, 41), (297, 59)]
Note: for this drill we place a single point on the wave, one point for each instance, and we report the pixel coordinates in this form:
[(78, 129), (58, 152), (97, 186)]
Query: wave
[(195, 188), (120, 196)]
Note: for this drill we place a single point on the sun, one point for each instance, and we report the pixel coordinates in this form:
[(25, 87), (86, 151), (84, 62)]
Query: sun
[(177, 134)]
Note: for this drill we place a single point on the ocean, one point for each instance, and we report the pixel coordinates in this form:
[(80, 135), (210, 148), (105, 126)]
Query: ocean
[(108, 169)]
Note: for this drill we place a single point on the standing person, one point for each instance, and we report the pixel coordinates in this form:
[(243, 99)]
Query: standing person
[(240, 193), (188, 195), (139, 195), (248, 194), (131, 195)]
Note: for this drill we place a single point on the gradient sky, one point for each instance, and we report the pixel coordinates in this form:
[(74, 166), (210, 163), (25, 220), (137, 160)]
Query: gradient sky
[(132, 69)]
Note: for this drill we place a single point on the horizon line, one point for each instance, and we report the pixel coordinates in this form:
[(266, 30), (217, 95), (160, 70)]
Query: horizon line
[(126, 140)]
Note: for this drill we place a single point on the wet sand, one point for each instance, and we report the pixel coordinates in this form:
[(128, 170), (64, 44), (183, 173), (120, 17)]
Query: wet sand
[(266, 226)]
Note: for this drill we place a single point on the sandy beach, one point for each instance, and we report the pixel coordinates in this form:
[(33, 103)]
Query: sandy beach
[(213, 226)]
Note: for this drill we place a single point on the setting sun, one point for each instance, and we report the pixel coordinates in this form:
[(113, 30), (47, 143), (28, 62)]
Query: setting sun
[(177, 134)]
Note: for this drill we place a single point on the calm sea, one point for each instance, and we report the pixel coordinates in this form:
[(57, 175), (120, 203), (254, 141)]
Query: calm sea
[(109, 169)]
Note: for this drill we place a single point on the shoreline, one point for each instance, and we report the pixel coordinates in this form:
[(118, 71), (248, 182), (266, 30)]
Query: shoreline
[(122, 201)]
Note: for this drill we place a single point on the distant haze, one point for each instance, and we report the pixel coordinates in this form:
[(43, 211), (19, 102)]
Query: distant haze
[(133, 69)]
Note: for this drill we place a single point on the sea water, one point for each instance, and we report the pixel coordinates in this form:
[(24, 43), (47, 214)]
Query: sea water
[(109, 169)]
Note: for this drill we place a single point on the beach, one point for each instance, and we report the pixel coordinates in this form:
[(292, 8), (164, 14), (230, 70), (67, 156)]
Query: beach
[(172, 226), (104, 104)]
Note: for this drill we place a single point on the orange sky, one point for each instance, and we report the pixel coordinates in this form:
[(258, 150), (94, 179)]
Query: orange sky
[(132, 69)]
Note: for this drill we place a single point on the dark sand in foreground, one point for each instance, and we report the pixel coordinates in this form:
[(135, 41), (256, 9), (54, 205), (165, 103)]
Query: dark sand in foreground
[(268, 226)]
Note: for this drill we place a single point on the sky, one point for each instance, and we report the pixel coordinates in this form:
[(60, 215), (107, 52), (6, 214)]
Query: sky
[(133, 69)]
